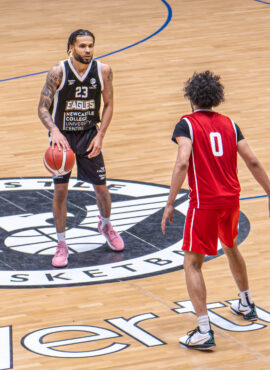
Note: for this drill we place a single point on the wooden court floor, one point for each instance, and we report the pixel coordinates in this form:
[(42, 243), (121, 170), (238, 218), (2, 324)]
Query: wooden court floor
[(131, 323)]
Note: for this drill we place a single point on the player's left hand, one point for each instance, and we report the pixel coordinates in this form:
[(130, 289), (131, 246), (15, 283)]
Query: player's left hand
[(167, 214), (95, 146)]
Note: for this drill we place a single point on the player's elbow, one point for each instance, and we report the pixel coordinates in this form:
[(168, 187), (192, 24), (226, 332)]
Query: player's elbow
[(253, 163), (42, 111), (39, 111), (182, 165), (40, 107)]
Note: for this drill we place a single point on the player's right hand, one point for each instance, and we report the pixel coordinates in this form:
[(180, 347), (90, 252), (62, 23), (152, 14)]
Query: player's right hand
[(59, 140)]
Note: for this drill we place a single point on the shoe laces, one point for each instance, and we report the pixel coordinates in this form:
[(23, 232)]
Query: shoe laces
[(60, 250), (191, 333), (249, 306), (111, 232)]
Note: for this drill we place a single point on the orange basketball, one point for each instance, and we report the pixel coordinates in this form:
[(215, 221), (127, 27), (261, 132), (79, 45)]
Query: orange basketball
[(58, 162)]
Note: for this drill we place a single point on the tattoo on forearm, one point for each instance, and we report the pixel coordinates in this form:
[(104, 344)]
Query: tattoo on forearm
[(53, 81)]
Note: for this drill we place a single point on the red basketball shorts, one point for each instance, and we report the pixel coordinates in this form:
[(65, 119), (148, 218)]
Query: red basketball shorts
[(203, 227)]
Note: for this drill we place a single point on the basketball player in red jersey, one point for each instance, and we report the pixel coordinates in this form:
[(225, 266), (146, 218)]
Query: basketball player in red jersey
[(208, 143), (69, 108)]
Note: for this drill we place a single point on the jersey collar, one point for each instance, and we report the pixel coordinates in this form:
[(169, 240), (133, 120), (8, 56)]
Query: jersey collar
[(80, 78), (203, 110)]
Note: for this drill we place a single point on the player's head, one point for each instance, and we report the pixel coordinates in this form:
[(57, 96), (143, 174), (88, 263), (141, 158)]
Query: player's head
[(81, 45), (204, 90)]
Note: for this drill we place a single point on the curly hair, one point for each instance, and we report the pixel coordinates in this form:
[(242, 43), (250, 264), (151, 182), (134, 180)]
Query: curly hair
[(73, 36), (204, 90)]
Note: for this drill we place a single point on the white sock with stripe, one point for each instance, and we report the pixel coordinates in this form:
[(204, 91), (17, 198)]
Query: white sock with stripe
[(204, 323), (61, 237), (104, 221), (246, 298)]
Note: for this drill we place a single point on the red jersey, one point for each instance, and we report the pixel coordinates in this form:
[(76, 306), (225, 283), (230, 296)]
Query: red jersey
[(212, 172)]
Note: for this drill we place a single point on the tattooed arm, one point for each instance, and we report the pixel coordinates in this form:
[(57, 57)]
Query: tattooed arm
[(53, 81), (107, 95)]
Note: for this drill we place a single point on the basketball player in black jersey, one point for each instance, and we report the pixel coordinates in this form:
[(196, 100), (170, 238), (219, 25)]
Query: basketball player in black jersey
[(69, 108)]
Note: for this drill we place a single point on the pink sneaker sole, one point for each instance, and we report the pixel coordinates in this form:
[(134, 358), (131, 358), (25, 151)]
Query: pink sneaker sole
[(59, 263)]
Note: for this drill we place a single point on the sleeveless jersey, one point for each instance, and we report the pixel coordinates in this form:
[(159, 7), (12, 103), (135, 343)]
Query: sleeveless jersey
[(76, 102), (212, 172)]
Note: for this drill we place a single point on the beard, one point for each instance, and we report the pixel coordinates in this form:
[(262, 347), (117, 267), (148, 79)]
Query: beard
[(80, 59)]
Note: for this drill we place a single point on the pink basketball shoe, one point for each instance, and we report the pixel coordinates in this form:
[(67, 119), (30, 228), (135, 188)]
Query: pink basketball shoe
[(114, 240), (60, 258)]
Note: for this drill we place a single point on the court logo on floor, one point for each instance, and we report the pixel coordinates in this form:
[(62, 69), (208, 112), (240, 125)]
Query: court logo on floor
[(28, 238)]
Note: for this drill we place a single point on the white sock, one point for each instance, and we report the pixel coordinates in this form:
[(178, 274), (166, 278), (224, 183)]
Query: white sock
[(204, 324), (104, 221), (61, 237), (246, 298)]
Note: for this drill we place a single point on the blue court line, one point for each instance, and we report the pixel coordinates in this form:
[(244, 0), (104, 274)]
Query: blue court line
[(258, 196), (169, 17), (261, 1)]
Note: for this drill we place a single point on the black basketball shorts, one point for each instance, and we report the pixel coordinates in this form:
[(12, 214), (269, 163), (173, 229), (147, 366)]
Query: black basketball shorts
[(90, 170)]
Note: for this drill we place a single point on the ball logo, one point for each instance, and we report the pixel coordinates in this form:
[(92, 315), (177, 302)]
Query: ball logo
[(28, 236), (93, 83)]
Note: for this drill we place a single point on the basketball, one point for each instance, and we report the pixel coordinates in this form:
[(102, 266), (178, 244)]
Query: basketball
[(58, 162)]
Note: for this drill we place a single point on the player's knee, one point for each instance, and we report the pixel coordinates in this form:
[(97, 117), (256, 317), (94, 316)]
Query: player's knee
[(193, 261), (101, 190), (60, 194), (230, 252)]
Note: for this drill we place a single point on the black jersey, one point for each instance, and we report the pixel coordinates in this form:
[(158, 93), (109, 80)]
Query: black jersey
[(76, 102)]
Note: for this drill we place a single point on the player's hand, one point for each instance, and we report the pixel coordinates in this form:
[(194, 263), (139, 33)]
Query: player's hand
[(95, 146), (167, 214), (59, 139)]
